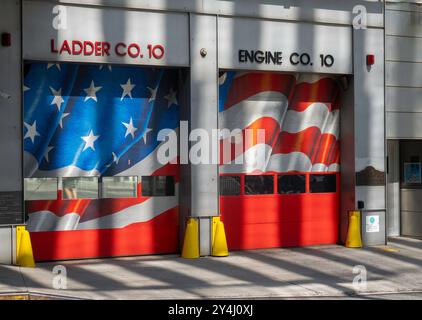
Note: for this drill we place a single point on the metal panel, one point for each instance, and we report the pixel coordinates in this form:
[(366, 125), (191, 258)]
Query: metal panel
[(404, 125), (239, 34), (403, 23), (373, 235), (169, 30), (393, 188), (6, 245), (403, 48), (410, 194), (411, 199), (204, 113), (411, 223), (400, 99), (403, 74), (205, 236)]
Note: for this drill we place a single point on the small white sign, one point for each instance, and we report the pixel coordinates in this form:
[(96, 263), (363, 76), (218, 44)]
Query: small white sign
[(372, 223)]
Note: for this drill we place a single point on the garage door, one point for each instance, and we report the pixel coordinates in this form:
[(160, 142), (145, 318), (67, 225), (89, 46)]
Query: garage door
[(279, 172), (94, 185)]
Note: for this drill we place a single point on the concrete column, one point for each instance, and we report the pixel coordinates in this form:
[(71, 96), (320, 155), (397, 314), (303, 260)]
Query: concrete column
[(369, 125), (204, 116)]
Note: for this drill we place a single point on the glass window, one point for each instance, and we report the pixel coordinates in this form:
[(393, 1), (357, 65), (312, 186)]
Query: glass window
[(118, 187), (320, 183), (230, 185), (158, 186), (259, 184), (40, 188), (80, 188), (291, 183)]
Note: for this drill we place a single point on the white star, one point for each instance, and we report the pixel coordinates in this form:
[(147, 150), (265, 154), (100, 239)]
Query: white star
[(64, 115), (32, 131), (171, 97), (153, 93), (57, 100), (147, 130), (25, 88), (49, 65), (115, 158), (127, 89), (89, 141), (222, 78), (46, 153), (91, 92), (130, 129), (102, 66)]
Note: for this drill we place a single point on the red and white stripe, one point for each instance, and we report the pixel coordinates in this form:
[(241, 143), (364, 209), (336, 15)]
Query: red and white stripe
[(300, 116)]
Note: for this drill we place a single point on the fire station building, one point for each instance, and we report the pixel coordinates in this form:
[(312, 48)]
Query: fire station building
[(120, 120)]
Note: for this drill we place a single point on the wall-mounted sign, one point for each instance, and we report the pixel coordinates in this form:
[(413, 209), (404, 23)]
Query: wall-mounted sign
[(284, 46), (412, 172), (372, 223), (106, 49), (54, 32)]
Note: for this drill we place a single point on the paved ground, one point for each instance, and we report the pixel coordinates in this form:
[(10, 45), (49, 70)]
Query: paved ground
[(393, 272)]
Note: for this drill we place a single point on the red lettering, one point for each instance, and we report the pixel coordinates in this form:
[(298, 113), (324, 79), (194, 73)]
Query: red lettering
[(130, 52), (106, 48), (52, 46), (86, 45), (118, 52), (65, 47), (76, 50), (158, 51), (98, 51)]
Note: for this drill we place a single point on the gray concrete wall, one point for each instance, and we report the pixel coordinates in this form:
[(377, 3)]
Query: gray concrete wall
[(322, 11), (369, 118), (10, 115), (347, 166), (204, 116), (403, 40), (369, 123)]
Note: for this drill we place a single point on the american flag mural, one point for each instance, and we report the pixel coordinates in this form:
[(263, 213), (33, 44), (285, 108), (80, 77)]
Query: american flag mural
[(99, 120), (300, 115)]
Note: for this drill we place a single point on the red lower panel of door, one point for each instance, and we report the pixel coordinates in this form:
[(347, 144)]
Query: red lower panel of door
[(159, 235), (269, 221)]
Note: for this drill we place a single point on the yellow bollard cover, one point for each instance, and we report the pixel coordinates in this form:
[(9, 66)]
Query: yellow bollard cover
[(24, 254), (219, 243), (190, 248), (354, 239)]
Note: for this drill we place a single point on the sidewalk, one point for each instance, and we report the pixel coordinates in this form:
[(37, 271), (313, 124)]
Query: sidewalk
[(312, 272)]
